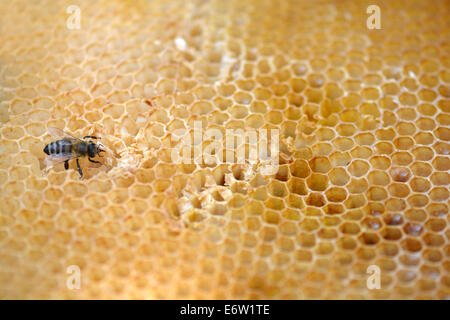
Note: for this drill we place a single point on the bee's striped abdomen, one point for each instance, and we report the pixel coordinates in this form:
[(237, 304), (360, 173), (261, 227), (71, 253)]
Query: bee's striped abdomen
[(58, 147)]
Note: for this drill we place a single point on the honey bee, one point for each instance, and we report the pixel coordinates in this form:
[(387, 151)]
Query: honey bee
[(68, 147)]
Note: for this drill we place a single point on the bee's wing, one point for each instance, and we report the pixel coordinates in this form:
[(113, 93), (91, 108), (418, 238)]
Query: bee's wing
[(53, 160), (60, 134)]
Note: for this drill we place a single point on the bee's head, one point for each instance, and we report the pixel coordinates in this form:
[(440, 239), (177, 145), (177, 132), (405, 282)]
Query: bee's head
[(93, 149)]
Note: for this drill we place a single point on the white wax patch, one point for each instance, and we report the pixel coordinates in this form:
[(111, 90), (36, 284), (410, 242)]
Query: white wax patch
[(180, 43)]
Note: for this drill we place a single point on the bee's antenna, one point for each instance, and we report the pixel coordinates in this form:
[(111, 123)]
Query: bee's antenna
[(91, 137), (100, 146)]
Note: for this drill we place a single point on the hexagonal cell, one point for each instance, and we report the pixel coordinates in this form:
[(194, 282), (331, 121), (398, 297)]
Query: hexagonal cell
[(358, 168), (277, 189), (378, 177), (300, 169), (390, 233), (317, 182), (369, 238), (339, 176), (315, 199), (421, 169), (336, 194), (320, 164), (440, 178)]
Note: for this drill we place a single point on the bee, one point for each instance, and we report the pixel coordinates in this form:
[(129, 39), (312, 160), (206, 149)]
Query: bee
[(67, 147)]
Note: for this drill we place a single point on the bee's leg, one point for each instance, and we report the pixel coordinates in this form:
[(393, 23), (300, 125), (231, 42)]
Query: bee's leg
[(91, 137), (93, 161), (66, 164), (79, 168)]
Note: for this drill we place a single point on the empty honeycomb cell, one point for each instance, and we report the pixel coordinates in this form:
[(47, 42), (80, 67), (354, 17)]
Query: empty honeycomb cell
[(442, 134), (384, 148), (402, 158), (411, 245), (320, 165), (443, 119), (370, 93), (350, 228), (370, 109), (369, 238), (440, 178), (317, 182), (12, 132), (433, 240), (404, 143), (418, 200), (426, 124), (346, 129), (336, 194), (277, 189), (439, 194), (437, 209), (395, 205), (390, 233), (332, 90), (399, 190), (274, 117), (321, 149), (421, 169), (441, 163), (408, 99), (432, 255), (272, 203), (339, 176), (379, 177), (300, 169), (297, 186), (361, 152), (386, 134), (355, 201), (333, 208), (377, 194), (390, 88), (420, 185), (347, 243), (358, 168), (436, 225), (324, 248), (315, 199), (389, 118), (343, 144), (374, 209), (358, 185), (427, 95), (352, 100)]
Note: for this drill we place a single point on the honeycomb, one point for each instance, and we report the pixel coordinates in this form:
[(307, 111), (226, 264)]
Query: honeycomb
[(363, 173)]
